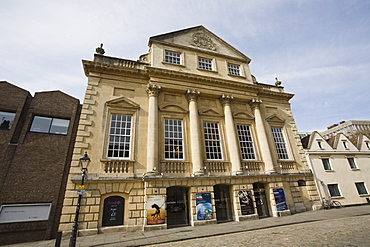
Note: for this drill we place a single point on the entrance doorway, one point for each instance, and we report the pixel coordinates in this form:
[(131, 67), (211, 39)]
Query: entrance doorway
[(223, 203), (177, 206), (261, 201)]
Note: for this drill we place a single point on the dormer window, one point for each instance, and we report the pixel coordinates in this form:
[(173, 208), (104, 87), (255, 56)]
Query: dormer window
[(367, 145), (172, 57), (345, 145), (234, 69), (319, 144), (205, 63)]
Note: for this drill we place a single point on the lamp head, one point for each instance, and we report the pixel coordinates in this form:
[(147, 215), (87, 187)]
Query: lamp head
[(84, 161)]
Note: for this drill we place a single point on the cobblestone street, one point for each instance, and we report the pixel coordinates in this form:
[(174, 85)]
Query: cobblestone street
[(352, 231), (347, 226)]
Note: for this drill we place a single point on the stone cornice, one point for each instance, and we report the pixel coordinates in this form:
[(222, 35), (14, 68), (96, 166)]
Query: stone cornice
[(199, 79), (141, 70)]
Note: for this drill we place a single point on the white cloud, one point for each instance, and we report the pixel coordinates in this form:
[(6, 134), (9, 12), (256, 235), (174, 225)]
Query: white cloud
[(319, 49)]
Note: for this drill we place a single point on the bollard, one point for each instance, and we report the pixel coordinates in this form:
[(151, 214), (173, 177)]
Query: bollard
[(58, 239)]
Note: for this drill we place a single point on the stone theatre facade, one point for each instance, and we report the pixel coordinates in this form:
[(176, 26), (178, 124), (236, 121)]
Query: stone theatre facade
[(184, 136)]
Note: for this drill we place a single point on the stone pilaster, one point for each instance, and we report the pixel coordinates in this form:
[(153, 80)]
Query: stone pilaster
[(262, 136), (152, 144), (231, 134), (195, 132)]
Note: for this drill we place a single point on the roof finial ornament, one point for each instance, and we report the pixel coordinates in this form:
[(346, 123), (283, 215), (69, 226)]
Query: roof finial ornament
[(277, 82), (100, 49)]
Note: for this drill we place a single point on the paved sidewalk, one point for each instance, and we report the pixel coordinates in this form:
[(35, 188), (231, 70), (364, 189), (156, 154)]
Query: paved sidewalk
[(184, 233)]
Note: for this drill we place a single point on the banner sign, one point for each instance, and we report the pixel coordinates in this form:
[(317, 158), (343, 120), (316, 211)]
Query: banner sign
[(155, 212), (246, 202), (24, 212), (280, 199), (204, 206)]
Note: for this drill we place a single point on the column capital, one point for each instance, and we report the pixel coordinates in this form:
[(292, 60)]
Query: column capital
[(192, 94), (153, 90), (255, 103), (226, 99)]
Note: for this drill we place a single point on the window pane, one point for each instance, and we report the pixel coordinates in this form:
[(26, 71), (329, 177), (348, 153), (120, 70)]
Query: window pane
[(280, 143), (246, 142), (119, 136), (204, 63), (41, 124), (6, 120), (59, 126), (326, 164), (212, 141), (172, 57), (361, 189), (352, 163), (234, 69), (173, 142), (334, 190)]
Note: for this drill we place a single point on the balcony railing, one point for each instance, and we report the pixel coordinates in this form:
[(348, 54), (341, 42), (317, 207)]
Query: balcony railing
[(217, 167), (118, 166), (175, 168), (253, 167), (287, 166)]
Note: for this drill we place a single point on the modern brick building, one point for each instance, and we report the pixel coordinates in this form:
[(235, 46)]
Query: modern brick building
[(37, 135), (184, 136)]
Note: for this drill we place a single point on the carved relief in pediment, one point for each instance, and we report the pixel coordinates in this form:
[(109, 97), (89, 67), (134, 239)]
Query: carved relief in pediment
[(202, 40)]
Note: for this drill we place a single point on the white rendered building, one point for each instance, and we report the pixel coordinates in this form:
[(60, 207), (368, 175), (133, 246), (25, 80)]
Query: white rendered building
[(341, 168)]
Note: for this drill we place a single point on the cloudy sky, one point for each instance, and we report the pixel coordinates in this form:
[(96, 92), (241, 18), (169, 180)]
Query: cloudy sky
[(320, 50)]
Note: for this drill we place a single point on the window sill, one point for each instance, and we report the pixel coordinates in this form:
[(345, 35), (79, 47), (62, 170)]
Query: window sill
[(213, 71), (355, 169), (337, 197), (364, 195), (237, 76), (329, 170), (167, 63), (114, 159)]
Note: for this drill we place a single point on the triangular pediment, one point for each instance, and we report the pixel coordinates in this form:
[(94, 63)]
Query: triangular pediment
[(242, 115), (275, 119), (210, 112), (172, 108), (122, 102), (199, 38)]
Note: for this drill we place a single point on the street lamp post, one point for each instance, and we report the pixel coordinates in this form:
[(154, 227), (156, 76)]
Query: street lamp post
[(84, 162)]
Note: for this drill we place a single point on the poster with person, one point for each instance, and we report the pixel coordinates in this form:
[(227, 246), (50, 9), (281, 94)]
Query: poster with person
[(155, 211), (246, 202), (280, 199), (204, 206)]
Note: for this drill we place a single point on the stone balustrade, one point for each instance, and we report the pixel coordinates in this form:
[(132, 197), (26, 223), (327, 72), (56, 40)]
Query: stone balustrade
[(117, 166), (178, 168), (217, 167), (253, 167), (287, 165)]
